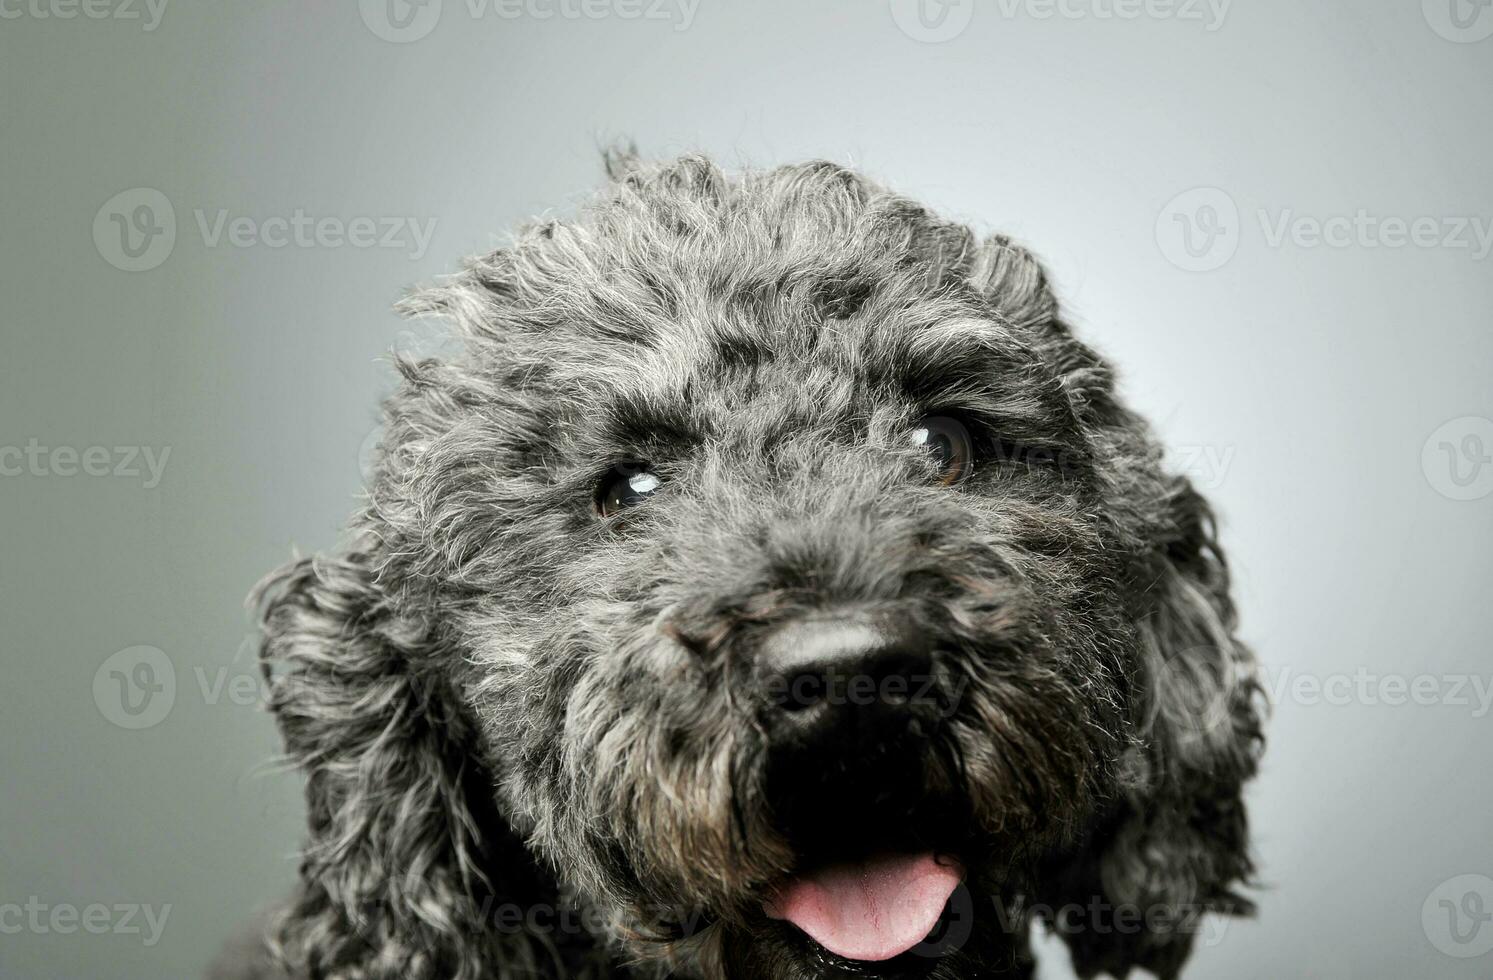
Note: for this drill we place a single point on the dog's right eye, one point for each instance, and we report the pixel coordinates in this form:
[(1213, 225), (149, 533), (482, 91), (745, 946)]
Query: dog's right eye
[(949, 443), (626, 485)]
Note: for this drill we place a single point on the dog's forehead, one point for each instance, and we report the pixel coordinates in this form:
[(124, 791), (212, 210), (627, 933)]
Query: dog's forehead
[(651, 334), (758, 380), (810, 355), (803, 294)]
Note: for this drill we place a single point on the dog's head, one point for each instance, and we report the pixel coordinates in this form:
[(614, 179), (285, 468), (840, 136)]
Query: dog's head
[(774, 578)]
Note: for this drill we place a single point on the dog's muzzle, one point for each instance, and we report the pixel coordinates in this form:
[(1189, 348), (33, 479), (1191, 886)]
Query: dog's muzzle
[(850, 705)]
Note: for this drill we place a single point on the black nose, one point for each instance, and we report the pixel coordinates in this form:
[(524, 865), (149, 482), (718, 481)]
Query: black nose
[(844, 677)]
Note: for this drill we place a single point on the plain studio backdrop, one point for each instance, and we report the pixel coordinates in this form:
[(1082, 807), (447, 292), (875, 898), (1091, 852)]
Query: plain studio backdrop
[(1274, 216)]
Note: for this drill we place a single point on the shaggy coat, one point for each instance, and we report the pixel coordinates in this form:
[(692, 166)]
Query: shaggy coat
[(529, 729)]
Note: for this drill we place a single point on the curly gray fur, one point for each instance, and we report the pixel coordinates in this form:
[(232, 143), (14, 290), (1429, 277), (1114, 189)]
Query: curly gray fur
[(500, 701)]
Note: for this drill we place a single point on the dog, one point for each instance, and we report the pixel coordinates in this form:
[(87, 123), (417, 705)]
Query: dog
[(771, 587)]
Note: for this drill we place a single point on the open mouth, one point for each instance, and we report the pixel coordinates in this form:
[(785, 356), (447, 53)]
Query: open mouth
[(869, 910)]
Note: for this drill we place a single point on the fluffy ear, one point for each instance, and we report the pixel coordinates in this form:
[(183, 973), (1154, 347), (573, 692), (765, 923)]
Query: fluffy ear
[(1176, 845), (407, 863)]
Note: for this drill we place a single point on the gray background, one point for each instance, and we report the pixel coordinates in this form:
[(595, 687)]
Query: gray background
[(1298, 384)]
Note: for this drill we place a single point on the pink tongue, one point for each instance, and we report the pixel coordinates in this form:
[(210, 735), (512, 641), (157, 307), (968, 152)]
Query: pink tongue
[(870, 910)]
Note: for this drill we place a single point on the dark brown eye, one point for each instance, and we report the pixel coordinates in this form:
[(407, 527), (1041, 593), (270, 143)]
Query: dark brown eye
[(627, 485), (948, 442)]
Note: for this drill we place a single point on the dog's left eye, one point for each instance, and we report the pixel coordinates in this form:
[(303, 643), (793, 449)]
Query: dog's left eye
[(948, 442), (627, 485)]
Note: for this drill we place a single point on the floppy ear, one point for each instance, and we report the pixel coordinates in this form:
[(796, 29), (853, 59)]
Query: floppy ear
[(407, 859), (1176, 845)]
